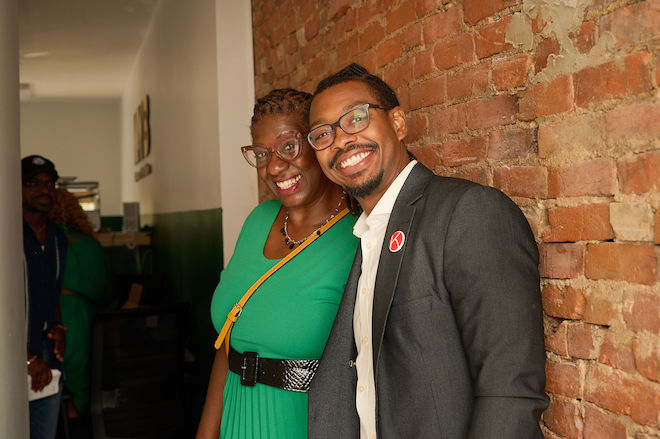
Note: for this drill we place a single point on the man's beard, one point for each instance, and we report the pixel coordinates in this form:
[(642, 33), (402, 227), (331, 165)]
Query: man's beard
[(366, 188), (369, 186)]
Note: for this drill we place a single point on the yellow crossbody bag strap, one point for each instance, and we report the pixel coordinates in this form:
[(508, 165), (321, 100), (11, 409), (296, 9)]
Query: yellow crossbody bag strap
[(232, 316)]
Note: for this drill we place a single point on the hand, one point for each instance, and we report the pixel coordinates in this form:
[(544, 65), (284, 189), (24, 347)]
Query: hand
[(58, 334), (40, 373)]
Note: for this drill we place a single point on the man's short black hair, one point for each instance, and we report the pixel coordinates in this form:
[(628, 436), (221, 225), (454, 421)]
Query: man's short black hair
[(355, 72)]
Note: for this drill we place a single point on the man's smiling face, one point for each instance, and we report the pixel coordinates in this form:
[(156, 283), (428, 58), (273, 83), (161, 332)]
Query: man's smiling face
[(365, 163)]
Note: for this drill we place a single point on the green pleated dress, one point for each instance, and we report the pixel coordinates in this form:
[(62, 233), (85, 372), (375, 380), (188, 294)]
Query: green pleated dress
[(289, 316)]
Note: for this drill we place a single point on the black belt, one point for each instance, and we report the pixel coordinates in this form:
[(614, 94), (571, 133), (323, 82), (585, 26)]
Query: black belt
[(293, 375)]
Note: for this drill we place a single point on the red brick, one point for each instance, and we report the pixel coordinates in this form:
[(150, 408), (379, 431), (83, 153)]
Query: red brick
[(583, 341), (491, 39), (475, 10), (622, 394), (448, 120), (336, 8), (442, 25), (543, 50), (585, 37), (389, 50), (399, 75), (313, 48), (511, 72), (564, 417), (312, 27), (566, 303), (562, 379), (558, 342), (511, 144), (430, 92), (635, 125), (429, 155), (626, 262), (589, 222), (457, 152), (656, 236), (457, 50), (306, 10), (423, 64), (647, 357), (468, 82), (600, 425), (477, 175), (603, 308), (490, 112), (545, 99), (618, 355), (418, 126), (422, 7), (579, 134), (640, 173), (371, 36), (399, 17), (345, 24), (644, 315), (595, 177), (561, 261), (412, 37), (370, 10), (608, 81), (521, 181), (637, 23), (291, 44)]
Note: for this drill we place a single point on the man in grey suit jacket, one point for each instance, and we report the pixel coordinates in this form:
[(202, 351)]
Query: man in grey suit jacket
[(439, 332)]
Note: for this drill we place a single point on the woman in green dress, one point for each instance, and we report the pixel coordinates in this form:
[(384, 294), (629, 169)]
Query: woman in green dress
[(290, 315), (83, 284)]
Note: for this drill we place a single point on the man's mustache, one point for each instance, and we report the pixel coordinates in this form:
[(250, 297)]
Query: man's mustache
[(372, 145)]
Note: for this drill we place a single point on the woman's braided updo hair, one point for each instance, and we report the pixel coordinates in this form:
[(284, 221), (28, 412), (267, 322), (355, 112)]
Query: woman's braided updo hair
[(284, 101), (296, 103)]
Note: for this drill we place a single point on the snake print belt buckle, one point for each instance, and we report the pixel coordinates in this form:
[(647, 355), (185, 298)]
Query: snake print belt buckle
[(293, 375)]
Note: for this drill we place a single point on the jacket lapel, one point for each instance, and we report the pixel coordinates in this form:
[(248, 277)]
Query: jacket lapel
[(390, 262)]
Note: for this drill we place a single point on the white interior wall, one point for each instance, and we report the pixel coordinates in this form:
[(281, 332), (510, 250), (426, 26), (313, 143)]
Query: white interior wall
[(176, 67), (81, 137), (196, 64), (235, 100), (13, 382)]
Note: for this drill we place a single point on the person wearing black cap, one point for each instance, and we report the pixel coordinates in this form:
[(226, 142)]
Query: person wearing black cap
[(44, 246)]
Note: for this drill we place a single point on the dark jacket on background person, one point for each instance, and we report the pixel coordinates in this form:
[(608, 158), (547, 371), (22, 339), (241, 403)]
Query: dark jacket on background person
[(44, 272)]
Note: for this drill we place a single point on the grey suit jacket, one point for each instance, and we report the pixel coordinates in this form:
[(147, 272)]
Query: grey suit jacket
[(457, 323)]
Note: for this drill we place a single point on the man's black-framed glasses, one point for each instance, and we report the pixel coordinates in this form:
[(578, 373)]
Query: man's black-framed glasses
[(351, 122), (288, 147)]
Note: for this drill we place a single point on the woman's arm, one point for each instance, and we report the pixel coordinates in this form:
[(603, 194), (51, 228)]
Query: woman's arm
[(209, 425)]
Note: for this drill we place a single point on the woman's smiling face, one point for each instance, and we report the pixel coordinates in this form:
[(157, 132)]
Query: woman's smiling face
[(299, 181)]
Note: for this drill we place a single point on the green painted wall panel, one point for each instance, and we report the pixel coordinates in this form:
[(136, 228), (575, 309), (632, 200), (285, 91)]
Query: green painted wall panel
[(187, 252)]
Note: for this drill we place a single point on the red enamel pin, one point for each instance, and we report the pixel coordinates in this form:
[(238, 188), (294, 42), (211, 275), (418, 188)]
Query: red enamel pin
[(396, 241)]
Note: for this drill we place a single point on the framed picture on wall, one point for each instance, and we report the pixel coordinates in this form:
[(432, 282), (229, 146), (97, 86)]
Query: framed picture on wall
[(142, 130)]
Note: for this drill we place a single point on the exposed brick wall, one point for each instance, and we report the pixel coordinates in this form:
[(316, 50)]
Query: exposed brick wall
[(559, 107)]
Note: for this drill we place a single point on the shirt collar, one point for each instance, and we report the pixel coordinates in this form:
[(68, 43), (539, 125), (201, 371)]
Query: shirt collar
[(385, 204)]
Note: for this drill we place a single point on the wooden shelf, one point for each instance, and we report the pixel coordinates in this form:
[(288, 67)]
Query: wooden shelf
[(124, 239)]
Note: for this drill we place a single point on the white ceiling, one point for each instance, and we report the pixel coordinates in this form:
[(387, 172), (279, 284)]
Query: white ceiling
[(80, 48)]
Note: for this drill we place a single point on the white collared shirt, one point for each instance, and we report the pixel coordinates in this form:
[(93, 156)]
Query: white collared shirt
[(371, 231)]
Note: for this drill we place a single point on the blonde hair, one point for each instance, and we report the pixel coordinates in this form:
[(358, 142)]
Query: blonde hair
[(67, 210)]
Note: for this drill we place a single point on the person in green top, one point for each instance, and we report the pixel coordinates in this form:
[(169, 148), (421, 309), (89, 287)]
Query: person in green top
[(260, 391), (83, 284)]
